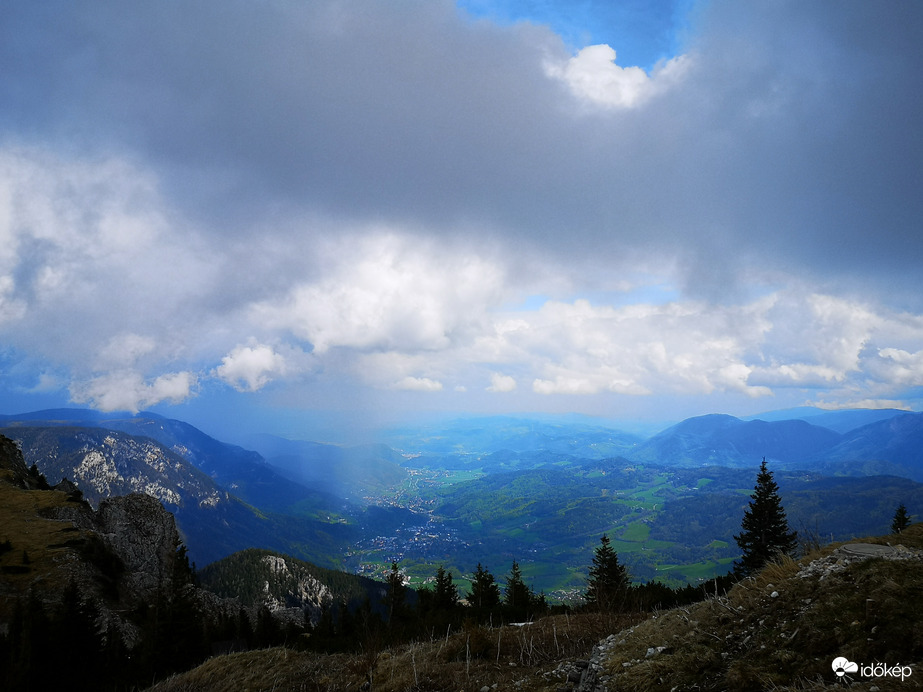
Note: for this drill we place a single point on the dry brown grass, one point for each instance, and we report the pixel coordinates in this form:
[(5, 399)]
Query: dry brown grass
[(778, 631), (529, 657), (48, 544)]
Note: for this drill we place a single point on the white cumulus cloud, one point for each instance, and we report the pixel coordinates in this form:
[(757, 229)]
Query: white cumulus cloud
[(250, 368), (594, 76), (419, 384), (128, 391), (389, 292), (501, 383)]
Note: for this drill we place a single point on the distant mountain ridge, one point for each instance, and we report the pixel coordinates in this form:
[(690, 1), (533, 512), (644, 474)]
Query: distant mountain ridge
[(243, 472), (722, 440), (214, 522), (892, 446), (889, 446), (841, 420)]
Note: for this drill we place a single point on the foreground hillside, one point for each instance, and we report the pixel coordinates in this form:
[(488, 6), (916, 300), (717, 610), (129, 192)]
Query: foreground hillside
[(780, 630), (783, 628)]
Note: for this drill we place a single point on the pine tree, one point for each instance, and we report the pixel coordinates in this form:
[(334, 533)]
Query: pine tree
[(518, 593), (901, 519), (765, 532), (445, 596), (396, 598), (519, 599), (485, 594), (607, 585)]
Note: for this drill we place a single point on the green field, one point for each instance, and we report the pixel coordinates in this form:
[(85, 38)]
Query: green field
[(636, 532), (695, 572)]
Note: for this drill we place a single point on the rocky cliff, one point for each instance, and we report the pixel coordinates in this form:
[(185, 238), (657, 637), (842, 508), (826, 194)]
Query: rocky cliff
[(120, 556), (213, 522)]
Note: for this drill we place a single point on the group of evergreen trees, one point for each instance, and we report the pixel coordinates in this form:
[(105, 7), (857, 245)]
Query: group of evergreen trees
[(441, 606)]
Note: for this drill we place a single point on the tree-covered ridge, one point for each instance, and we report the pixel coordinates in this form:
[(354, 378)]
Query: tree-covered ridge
[(267, 578)]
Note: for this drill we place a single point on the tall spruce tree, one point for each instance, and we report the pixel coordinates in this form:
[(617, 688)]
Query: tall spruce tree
[(396, 597), (519, 598), (485, 593), (445, 595), (607, 585), (765, 532), (901, 519)]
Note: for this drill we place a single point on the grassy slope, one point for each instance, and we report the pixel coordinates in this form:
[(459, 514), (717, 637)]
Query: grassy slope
[(747, 640), (524, 658), (50, 546), (751, 640)]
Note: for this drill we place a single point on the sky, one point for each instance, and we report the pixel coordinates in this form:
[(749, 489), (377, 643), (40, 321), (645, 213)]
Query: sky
[(318, 217)]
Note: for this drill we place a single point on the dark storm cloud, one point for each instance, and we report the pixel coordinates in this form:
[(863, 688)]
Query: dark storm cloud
[(249, 192), (790, 143)]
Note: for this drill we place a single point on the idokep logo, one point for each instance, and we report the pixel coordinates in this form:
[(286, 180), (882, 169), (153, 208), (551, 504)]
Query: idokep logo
[(841, 666)]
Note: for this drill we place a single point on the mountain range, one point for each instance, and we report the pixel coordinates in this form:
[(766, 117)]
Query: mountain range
[(491, 488), (104, 462), (886, 446)]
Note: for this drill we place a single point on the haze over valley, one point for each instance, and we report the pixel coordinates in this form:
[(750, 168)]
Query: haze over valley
[(494, 490)]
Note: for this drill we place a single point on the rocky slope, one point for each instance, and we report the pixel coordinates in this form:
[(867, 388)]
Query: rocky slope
[(119, 556), (242, 472), (106, 463), (213, 522), (291, 589)]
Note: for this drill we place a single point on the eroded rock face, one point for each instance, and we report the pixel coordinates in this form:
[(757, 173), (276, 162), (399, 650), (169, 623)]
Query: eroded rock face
[(143, 534), (13, 465)]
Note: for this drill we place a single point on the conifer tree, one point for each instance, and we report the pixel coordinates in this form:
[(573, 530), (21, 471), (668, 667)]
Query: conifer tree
[(485, 593), (445, 596), (518, 594), (901, 519), (765, 532), (519, 600), (607, 585), (396, 598)]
